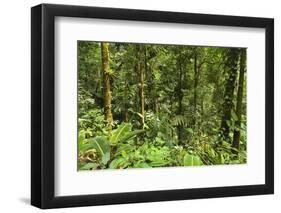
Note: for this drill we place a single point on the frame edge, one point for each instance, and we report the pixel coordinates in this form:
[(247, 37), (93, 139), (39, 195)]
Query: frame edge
[(36, 50), (269, 102)]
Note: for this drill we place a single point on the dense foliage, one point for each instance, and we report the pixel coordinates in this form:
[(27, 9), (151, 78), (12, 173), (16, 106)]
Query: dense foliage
[(147, 105)]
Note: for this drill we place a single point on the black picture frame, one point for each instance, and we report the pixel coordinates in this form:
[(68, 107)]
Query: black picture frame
[(43, 102)]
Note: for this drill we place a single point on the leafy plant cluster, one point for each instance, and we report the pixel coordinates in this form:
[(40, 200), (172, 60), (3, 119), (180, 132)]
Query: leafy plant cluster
[(120, 150)]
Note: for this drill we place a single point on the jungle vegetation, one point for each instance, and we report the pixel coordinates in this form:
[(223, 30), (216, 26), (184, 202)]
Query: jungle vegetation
[(151, 105)]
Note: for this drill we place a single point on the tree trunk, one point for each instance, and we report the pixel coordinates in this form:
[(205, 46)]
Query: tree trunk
[(106, 86), (236, 136), (196, 77), (151, 92), (125, 106), (231, 66), (180, 97), (141, 70)]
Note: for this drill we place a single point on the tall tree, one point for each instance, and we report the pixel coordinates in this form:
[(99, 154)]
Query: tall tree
[(151, 92), (141, 51), (236, 136), (196, 78), (232, 57), (106, 85), (180, 96), (199, 60)]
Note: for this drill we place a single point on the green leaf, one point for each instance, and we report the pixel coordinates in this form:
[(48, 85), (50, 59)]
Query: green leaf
[(116, 163), (81, 137), (179, 120), (119, 132), (130, 135), (158, 163), (105, 158), (221, 158), (89, 166), (141, 165), (228, 123), (123, 133), (190, 130), (124, 154), (100, 144), (84, 147), (192, 160)]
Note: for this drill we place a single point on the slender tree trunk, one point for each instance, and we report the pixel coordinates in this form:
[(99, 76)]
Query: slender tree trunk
[(141, 72), (180, 97), (125, 106), (155, 105), (99, 84), (142, 96), (151, 92), (228, 105), (202, 111), (106, 86), (236, 136), (196, 77)]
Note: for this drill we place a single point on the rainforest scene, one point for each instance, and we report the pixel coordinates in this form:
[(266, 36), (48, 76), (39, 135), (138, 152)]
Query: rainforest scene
[(159, 105)]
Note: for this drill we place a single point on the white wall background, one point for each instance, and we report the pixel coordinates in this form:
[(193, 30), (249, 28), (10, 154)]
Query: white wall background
[(15, 105)]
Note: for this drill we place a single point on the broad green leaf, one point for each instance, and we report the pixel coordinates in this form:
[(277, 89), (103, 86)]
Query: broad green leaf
[(116, 163), (130, 135), (84, 147), (105, 158), (192, 160), (124, 147), (123, 133), (119, 132), (100, 144)]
